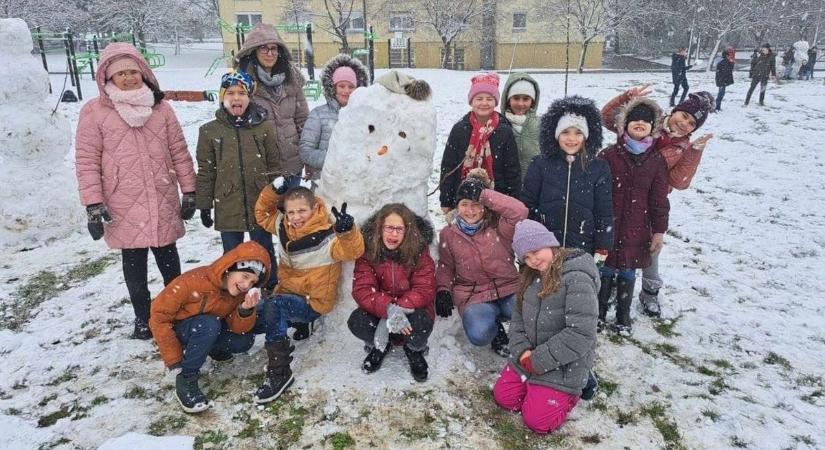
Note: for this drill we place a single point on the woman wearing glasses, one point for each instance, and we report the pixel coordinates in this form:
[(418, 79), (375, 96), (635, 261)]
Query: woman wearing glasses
[(266, 58), (394, 286)]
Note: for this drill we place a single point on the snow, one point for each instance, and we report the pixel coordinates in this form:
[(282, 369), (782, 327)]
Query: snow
[(743, 282), (130, 441)]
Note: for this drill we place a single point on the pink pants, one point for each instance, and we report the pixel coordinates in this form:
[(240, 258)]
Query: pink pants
[(543, 408)]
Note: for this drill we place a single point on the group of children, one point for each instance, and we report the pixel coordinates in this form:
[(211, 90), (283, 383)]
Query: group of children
[(580, 222)]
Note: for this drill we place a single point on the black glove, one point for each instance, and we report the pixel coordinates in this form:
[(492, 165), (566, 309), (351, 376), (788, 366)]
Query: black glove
[(343, 221), (444, 303), (97, 215), (280, 185), (187, 205), (206, 218)]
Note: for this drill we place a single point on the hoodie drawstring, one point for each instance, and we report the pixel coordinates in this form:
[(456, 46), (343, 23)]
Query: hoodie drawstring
[(570, 159)]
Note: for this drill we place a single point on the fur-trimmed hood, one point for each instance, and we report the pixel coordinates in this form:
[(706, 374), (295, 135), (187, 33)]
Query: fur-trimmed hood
[(624, 110), (424, 226), (574, 104), (334, 63)]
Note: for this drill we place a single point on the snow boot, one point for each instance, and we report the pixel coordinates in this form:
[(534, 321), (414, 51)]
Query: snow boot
[(650, 303), (501, 341), (303, 330), (418, 365), (189, 394), (624, 294), (141, 330), (374, 359), (605, 292), (592, 386), (278, 373), (221, 354), (761, 99)]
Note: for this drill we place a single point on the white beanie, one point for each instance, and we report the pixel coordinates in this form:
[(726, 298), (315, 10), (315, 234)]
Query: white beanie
[(572, 120), (522, 87)]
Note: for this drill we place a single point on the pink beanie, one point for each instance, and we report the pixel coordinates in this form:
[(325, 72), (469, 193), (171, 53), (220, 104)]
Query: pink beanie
[(344, 73), (486, 83), (121, 64)]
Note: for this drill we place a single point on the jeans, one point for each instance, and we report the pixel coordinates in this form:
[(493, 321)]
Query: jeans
[(719, 97), (684, 84), (135, 266), (762, 89), (480, 319), (363, 324), (200, 335), (232, 239), (274, 313), (621, 274)]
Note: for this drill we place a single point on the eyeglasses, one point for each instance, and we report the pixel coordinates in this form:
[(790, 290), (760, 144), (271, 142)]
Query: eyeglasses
[(389, 229), (268, 50)]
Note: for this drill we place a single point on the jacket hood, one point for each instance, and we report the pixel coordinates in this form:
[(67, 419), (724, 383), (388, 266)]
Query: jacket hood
[(114, 52), (361, 74), (518, 76), (624, 110), (580, 261), (425, 228), (571, 105), (249, 250), (255, 115), (261, 34)]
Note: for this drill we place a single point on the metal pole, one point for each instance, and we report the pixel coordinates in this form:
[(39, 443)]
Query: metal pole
[(389, 53), (567, 50), (74, 65), (43, 54), (409, 53), (310, 53), (68, 55), (372, 56), (366, 39)]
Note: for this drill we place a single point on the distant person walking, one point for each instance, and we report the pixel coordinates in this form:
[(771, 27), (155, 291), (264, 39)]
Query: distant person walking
[(678, 69), (762, 68), (724, 75)]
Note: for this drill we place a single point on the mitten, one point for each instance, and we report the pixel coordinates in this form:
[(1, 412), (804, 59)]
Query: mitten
[(397, 318), (444, 303), (600, 257), (96, 216), (343, 221), (280, 186), (206, 218), (187, 205)]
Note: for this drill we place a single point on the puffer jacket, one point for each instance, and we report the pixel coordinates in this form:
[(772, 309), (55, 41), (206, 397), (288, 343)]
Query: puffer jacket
[(763, 66), (136, 172), (200, 291), (528, 138), (235, 161), (375, 286), (724, 72), (309, 258), (559, 329), (481, 268), (286, 107), (322, 119)]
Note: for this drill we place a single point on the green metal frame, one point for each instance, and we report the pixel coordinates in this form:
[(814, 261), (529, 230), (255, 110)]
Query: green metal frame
[(313, 89)]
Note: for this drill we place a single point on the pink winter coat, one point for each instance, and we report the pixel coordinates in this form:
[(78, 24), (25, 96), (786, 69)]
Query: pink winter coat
[(135, 172), (481, 268)]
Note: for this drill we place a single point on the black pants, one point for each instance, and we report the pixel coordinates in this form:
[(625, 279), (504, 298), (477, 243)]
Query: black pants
[(762, 90), (684, 84), (363, 324), (135, 262)]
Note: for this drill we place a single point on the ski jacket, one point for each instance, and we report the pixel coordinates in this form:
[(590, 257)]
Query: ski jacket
[(528, 138)]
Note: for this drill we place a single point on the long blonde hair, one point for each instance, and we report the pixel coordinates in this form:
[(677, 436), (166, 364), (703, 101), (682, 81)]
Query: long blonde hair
[(550, 278)]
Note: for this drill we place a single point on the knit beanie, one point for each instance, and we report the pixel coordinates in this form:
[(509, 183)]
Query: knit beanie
[(522, 87), (250, 266), (470, 188), (121, 64), (698, 105), (236, 78), (344, 73), (531, 236), (641, 112), (486, 83), (572, 120)]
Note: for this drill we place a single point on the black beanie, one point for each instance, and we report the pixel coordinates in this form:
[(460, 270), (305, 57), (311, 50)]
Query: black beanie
[(641, 112), (470, 188)]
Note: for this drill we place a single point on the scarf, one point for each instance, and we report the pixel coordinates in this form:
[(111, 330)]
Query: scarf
[(516, 121), (637, 147), (468, 228), (272, 82), (392, 255), (478, 152), (135, 106)]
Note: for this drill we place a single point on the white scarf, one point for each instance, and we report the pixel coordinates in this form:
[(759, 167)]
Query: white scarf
[(517, 121), (134, 106)]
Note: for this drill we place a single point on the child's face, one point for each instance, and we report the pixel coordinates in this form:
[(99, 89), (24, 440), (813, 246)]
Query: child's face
[(298, 212), (472, 212), (539, 259), (483, 105), (236, 100), (681, 123), (639, 129), (571, 140), (520, 104), (128, 80), (343, 89), (239, 282), (393, 231)]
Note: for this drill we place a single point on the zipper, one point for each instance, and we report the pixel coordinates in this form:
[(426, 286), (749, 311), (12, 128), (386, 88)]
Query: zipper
[(567, 203), (243, 178), (220, 149)]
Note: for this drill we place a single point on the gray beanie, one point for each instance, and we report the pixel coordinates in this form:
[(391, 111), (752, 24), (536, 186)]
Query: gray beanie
[(531, 236)]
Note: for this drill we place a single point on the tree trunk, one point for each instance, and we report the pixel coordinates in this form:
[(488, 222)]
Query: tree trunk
[(446, 58), (582, 55), (715, 49)]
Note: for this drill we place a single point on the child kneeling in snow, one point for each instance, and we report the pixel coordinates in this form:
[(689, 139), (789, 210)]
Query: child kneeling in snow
[(394, 286), (310, 250), (207, 311), (552, 332)]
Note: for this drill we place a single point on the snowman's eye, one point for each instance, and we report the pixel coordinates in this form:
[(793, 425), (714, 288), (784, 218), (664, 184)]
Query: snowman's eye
[(371, 128), (402, 134)]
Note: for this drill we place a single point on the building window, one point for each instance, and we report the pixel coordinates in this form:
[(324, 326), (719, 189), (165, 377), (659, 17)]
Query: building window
[(456, 59), (355, 24), (519, 21), (402, 21), (250, 19)]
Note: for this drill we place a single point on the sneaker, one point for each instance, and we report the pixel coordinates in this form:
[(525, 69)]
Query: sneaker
[(501, 341), (592, 386), (374, 359), (141, 330), (189, 394), (624, 330), (418, 365)]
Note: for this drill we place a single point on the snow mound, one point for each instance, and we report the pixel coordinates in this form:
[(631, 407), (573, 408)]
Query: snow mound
[(130, 441)]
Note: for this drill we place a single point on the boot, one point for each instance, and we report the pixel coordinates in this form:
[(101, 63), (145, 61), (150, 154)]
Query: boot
[(624, 293), (141, 330), (591, 387), (189, 394), (650, 303), (278, 373), (761, 99), (374, 359), (604, 296), (303, 330), (501, 341), (418, 365), (221, 354)]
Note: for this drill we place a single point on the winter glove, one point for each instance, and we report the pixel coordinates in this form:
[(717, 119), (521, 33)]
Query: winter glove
[(187, 205), (206, 218), (444, 303), (96, 216), (397, 318), (343, 221), (600, 257), (280, 186)]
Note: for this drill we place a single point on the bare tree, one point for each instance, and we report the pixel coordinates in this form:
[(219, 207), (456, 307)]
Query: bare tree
[(337, 20), (449, 19)]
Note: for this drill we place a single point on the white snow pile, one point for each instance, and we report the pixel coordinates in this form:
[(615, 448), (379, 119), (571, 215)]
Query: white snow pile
[(132, 441)]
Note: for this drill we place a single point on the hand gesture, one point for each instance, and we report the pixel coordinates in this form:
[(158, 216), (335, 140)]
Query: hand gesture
[(96, 216), (640, 91), (343, 221), (699, 144), (251, 299), (657, 243), (206, 218)]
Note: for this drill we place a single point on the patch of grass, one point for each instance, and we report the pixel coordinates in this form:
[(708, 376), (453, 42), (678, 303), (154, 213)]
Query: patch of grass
[(666, 426), (717, 386), (251, 430), (608, 387), (90, 268), (99, 400), (51, 445), (809, 380), (625, 418), (711, 414), (290, 430), (807, 440), (777, 360), (13, 412), (594, 438), (47, 399), (736, 441), (705, 370), (341, 441), (599, 404), (665, 326), (136, 392), (68, 375), (52, 418), (210, 439), (722, 364), (813, 396), (167, 424), (666, 348)]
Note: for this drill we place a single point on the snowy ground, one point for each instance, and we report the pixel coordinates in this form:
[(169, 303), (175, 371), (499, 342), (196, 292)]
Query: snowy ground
[(739, 365)]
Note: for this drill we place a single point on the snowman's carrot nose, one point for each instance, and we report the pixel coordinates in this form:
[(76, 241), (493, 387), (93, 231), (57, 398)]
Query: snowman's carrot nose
[(383, 150)]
